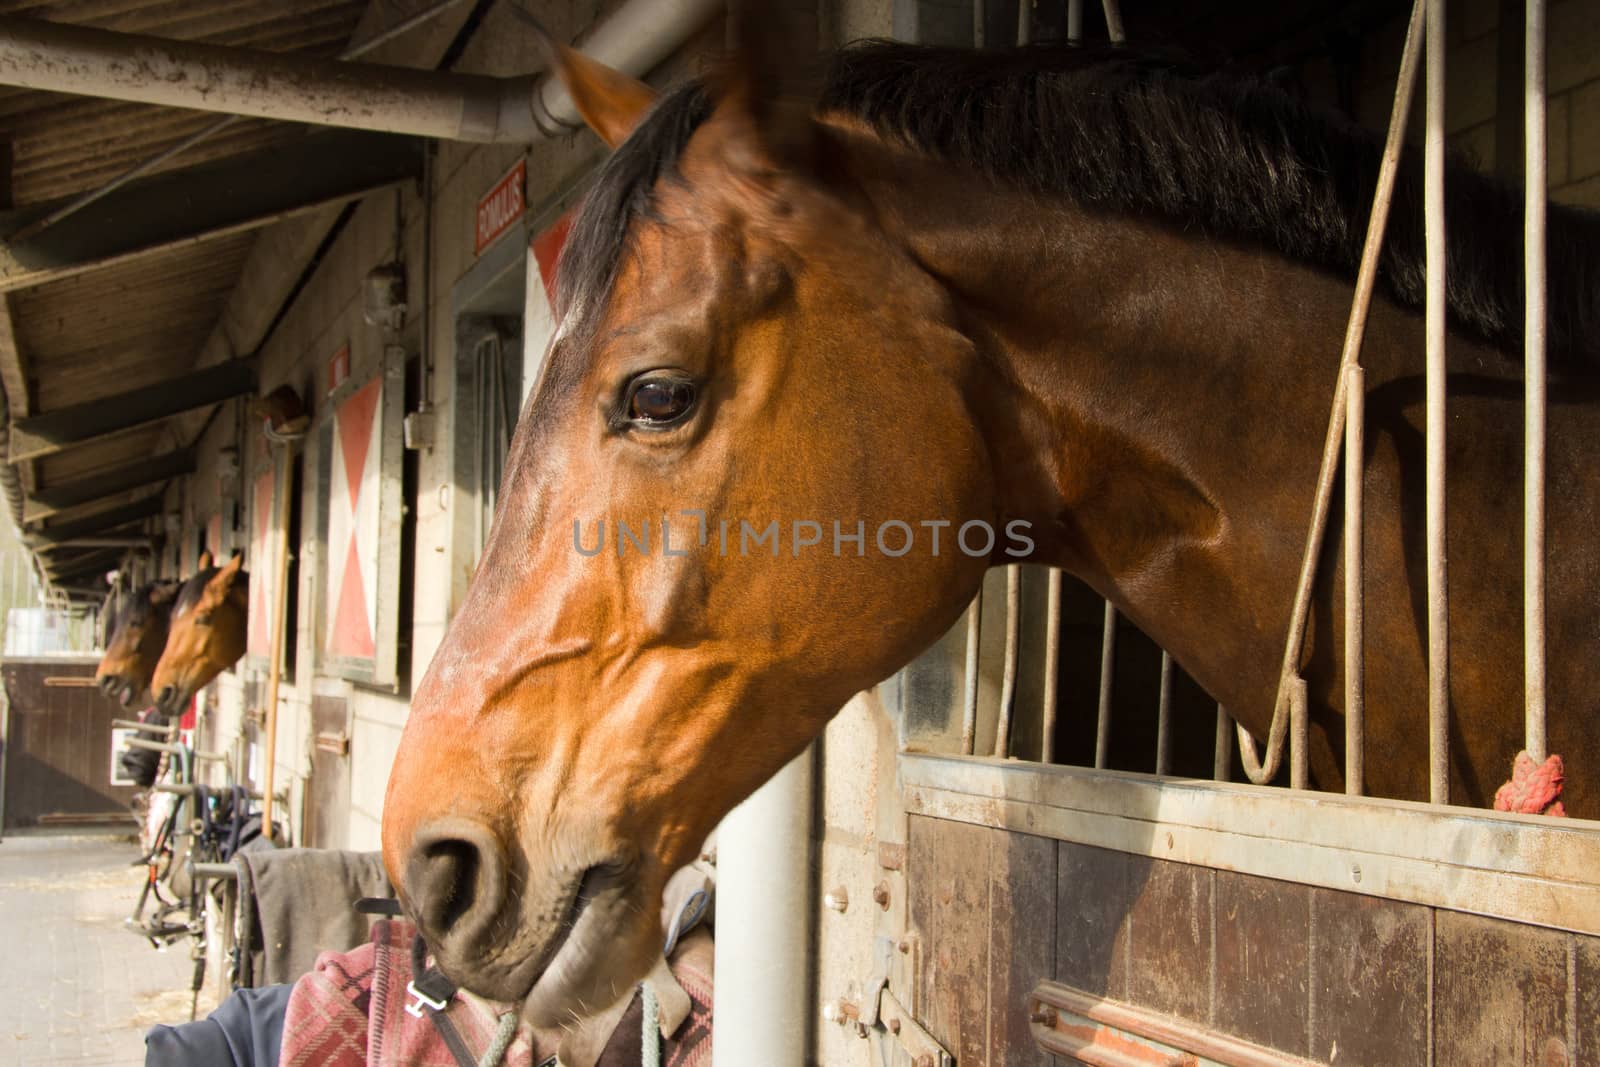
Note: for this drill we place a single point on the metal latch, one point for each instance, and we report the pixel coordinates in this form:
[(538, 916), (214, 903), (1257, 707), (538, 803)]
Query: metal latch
[(336, 743), (414, 1009)]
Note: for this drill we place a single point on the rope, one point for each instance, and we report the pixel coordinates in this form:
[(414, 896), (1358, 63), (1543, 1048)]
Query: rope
[(503, 1037), (1534, 789), (650, 1027)]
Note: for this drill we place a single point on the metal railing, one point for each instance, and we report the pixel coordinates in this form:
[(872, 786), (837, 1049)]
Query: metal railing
[(1346, 440)]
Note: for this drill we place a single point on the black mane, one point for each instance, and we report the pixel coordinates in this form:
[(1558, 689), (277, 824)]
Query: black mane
[(1128, 132)]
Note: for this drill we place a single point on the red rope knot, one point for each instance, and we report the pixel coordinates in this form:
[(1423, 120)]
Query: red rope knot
[(1534, 789)]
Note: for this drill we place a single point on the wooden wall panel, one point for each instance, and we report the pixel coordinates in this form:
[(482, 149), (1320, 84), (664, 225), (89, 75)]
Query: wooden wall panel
[(1022, 940), (1263, 960), (1500, 994), (951, 860), (58, 752), (1169, 933), (1095, 890), (1369, 977)]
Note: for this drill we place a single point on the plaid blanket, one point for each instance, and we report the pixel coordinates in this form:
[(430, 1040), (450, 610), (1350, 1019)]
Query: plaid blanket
[(350, 1012)]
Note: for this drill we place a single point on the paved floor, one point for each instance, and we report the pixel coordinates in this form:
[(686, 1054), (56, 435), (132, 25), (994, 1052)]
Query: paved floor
[(75, 987)]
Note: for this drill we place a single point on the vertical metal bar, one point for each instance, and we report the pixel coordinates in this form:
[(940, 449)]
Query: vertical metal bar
[(1435, 306), (1222, 754), (1052, 664), (1355, 719), (1533, 266), (1256, 769), (1299, 736), (1108, 660), (1164, 718), (969, 681), (1114, 28), (1008, 678), (1074, 20), (980, 15), (1024, 21)]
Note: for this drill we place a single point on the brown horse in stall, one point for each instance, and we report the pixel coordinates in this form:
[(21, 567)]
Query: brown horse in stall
[(137, 623), (1082, 297), (209, 620)]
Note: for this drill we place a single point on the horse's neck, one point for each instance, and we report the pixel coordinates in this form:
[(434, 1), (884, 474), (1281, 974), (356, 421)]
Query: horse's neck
[(1171, 396)]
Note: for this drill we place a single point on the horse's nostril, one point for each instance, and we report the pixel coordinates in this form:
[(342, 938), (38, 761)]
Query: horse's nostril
[(107, 683), (454, 881), (164, 699)]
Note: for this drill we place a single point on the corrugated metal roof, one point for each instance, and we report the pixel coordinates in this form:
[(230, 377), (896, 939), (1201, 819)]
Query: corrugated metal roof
[(63, 145)]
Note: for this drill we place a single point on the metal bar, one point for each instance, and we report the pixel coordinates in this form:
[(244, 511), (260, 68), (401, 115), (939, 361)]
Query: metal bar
[(129, 724), (1164, 718), (1355, 718), (969, 680), (39, 435), (1052, 664), (1535, 184), (1436, 308), (1299, 736), (218, 872), (286, 87), (1262, 771), (1222, 754), (1114, 29), (1008, 679), (1024, 21), (1108, 661), (1074, 20)]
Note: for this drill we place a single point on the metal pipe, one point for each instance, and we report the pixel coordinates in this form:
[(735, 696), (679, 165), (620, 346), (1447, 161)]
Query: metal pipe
[(1052, 664), (1164, 718), (1074, 20), (1024, 21), (1008, 678), (1262, 771), (219, 872), (969, 678), (1114, 29), (764, 891), (1535, 185), (129, 724), (299, 88), (1222, 754), (1299, 736), (267, 85), (211, 129), (1355, 719), (1108, 660), (1435, 309)]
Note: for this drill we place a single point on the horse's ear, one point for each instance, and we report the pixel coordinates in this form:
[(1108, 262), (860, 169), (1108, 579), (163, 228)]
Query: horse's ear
[(611, 102), (768, 94), (205, 562), (162, 593), (224, 580)]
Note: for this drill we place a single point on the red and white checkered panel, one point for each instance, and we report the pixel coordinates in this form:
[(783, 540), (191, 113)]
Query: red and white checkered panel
[(259, 636), (353, 520)]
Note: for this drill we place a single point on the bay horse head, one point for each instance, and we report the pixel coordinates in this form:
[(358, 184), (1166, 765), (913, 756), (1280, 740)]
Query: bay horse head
[(138, 633), (822, 361), (209, 618), (591, 715)]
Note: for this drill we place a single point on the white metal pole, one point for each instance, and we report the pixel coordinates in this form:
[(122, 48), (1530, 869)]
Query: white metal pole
[(1108, 663), (1436, 308), (1534, 266), (1052, 664)]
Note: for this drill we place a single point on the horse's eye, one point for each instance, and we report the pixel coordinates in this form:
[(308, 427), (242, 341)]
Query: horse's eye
[(659, 400)]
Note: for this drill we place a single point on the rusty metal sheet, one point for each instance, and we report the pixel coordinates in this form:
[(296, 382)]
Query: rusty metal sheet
[(1369, 977), (1586, 979), (1096, 889), (949, 866), (1500, 993), (1169, 940), (1022, 939), (1263, 960)]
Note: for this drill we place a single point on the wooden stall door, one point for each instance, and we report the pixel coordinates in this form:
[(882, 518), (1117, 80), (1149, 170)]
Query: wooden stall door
[(58, 746), (328, 793)]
